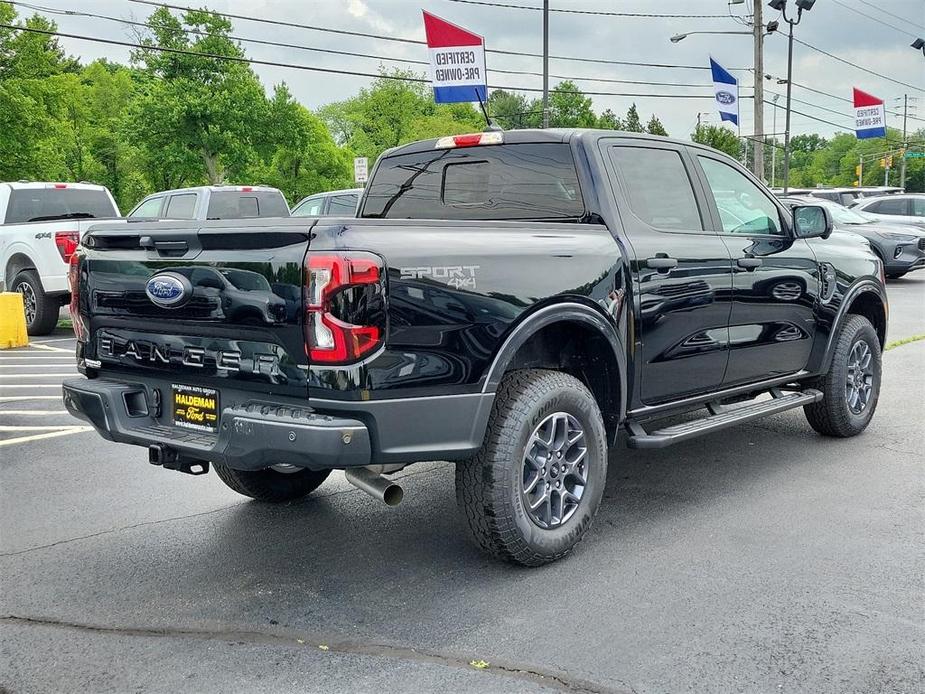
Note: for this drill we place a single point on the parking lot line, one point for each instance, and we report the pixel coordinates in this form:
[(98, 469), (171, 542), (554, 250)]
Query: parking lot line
[(33, 413), (48, 348), (57, 339), (17, 398), (47, 435), (31, 385), (50, 375)]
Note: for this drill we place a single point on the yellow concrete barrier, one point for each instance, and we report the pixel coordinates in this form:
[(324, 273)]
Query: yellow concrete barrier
[(12, 321)]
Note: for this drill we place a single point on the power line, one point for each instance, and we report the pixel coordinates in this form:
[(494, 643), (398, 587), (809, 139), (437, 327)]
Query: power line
[(278, 22), (312, 68), (600, 13), (263, 42), (873, 18), (815, 118), (846, 62), (896, 16)]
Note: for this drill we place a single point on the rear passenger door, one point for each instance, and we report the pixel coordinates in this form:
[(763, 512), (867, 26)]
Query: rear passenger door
[(682, 270), (773, 321), (181, 206)]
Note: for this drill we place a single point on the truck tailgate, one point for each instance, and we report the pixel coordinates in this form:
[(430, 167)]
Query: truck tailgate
[(219, 306)]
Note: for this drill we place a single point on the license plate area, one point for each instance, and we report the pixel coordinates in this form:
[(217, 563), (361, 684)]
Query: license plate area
[(194, 407)]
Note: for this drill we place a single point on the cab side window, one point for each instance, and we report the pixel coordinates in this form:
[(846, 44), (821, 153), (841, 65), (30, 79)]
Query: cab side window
[(895, 206), (743, 206), (310, 207), (148, 208), (181, 206)]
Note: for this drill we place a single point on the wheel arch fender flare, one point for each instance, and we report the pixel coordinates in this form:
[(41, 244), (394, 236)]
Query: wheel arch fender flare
[(862, 288), (559, 312), (15, 260)]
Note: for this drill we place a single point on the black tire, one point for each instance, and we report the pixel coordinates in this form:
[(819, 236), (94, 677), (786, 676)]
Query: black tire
[(41, 309), (895, 275), (834, 415), (272, 486), (490, 487)]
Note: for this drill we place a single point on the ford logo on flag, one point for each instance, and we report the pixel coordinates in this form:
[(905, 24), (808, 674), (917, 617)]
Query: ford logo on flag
[(725, 98), (168, 289)]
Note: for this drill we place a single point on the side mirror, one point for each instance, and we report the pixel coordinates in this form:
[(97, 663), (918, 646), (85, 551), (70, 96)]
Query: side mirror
[(812, 222)]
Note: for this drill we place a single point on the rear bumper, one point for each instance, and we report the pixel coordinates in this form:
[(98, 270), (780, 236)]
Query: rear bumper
[(254, 433), (251, 436)]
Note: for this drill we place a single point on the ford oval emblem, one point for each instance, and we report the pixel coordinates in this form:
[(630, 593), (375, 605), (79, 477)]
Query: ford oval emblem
[(168, 289), (725, 98)]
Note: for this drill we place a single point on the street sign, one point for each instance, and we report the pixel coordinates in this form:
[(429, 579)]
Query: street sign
[(869, 115), (360, 169), (457, 62), (915, 155)]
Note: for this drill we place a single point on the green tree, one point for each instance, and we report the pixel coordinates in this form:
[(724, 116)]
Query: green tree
[(608, 120), (718, 137), (569, 107), (632, 123), (395, 110), (655, 127), (197, 117), (509, 110)]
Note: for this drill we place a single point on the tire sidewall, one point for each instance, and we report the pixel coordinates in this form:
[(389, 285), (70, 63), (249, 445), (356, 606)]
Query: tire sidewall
[(860, 331), (581, 405)]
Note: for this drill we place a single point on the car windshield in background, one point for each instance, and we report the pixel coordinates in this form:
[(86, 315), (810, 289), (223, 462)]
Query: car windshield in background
[(233, 204), (246, 281), (47, 204), (498, 182)]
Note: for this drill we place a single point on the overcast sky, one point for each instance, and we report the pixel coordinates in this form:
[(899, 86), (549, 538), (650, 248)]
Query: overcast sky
[(831, 25)]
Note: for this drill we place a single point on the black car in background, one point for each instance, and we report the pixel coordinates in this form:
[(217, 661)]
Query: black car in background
[(900, 247)]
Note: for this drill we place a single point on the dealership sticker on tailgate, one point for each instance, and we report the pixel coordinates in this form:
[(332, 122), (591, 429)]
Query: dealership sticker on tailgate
[(195, 407)]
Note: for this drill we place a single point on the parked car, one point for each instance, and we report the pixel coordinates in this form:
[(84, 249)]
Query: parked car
[(842, 196), (212, 202), (336, 203), (40, 227), (487, 308), (901, 248), (906, 208), (874, 191)]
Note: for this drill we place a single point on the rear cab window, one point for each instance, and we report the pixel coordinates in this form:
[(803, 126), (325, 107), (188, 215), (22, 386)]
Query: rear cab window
[(511, 181), (234, 204), (49, 204)]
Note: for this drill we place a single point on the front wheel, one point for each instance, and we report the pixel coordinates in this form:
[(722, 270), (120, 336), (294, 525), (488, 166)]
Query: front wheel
[(851, 388), (275, 484), (531, 492)]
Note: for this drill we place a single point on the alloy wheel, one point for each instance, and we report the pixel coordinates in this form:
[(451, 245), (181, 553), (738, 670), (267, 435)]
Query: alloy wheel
[(29, 301), (859, 383), (555, 470)]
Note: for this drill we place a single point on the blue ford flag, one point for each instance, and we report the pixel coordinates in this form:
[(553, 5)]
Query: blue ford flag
[(726, 91)]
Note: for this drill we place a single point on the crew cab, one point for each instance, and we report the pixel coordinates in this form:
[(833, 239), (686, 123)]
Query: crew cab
[(40, 226), (520, 303), (212, 202), (333, 203)]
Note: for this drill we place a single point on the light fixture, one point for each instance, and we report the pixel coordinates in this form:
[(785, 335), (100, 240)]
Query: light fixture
[(918, 44), (778, 5), (806, 4), (678, 37), (772, 26)]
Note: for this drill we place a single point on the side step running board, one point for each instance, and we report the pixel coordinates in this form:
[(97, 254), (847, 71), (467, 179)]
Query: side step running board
[(720, 417)]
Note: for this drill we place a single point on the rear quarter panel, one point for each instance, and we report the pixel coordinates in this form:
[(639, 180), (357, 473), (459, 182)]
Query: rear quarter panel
[(455, 291)]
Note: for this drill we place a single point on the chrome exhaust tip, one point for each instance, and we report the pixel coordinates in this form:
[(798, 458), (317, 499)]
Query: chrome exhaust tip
[(375, 485)]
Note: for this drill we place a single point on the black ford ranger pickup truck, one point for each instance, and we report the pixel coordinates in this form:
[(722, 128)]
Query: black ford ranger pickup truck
[(516, 302)]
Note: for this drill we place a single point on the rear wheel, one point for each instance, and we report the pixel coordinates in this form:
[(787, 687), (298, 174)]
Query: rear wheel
[(41, 309), (274, 484), (851, 388), (532, 491)]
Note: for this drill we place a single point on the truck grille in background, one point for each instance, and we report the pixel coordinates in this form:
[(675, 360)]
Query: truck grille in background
[(922, 244)]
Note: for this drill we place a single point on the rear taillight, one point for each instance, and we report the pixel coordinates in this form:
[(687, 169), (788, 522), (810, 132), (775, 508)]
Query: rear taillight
[(470, 140), (66, 241), (73, 281), (344, 304)]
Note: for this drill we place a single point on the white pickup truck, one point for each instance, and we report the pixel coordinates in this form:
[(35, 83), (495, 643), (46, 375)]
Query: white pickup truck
[(40, 227)]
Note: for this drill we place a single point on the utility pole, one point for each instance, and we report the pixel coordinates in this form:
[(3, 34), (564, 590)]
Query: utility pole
[(758, 103), (902, 164), (774, 148), (545, 63)]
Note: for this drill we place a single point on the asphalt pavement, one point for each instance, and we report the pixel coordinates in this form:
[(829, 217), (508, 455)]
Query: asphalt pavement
[(760, 559)]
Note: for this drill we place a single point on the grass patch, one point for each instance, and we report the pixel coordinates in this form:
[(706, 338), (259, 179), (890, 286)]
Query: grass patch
[(66, 323), (904, 341)]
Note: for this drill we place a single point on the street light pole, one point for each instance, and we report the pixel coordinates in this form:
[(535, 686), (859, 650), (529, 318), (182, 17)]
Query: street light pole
[(545, 63), (758, 101), (781, 5), (774, 148)]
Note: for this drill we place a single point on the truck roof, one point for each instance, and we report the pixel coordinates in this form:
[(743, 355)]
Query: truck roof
[(537, 135), (232, 189), (32, 185)]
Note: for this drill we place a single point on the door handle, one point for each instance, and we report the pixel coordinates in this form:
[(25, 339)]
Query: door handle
[(749, 263), (661, 263)]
